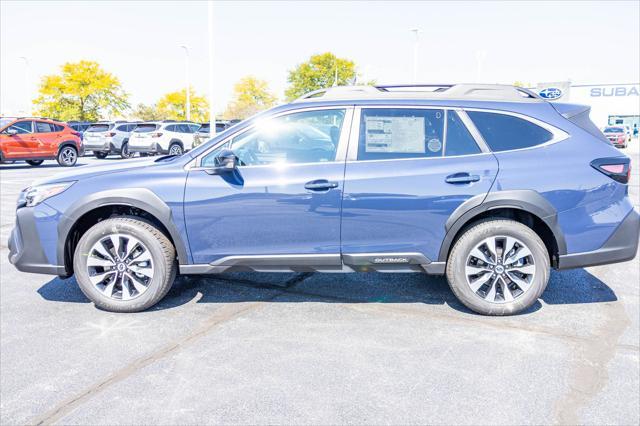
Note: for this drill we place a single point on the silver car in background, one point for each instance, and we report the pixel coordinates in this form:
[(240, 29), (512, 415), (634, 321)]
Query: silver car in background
[(104, 138), (204, 133)]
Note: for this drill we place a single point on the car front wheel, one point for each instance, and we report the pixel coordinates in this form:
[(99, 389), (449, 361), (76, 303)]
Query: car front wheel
[(34, 162), (124, 264), (498, 267), (101, 155)]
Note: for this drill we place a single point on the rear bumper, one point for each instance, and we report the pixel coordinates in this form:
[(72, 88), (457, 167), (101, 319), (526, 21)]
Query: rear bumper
[(621, 246), (25, 249), (154, 148)]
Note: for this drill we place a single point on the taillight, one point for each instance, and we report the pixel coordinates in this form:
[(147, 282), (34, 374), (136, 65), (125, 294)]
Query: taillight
[(110, 134), (156, 135), (617, 168)]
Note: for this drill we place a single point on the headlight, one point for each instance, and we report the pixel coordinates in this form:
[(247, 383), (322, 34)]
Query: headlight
[(34, 195)]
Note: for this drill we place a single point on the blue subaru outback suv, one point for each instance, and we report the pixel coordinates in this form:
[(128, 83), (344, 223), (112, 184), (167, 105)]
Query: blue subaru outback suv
[(487, 184)]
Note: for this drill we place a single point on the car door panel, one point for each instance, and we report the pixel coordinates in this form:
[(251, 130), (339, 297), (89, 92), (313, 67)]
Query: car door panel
[(263, 211), (289, 206)]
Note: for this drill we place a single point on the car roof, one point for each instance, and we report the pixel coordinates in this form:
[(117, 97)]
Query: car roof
[(463, 92)]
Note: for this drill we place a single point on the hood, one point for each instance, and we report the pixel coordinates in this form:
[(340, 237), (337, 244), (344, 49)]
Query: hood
[(86, 172)]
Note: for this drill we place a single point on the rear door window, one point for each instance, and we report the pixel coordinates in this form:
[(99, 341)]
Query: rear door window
[(459, 141), (505, 132), (42, 127), (395, 133), (123, 128), (57, 127)]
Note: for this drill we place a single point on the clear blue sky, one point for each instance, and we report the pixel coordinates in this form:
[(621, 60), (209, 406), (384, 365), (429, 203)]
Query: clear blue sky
[(587, 42)]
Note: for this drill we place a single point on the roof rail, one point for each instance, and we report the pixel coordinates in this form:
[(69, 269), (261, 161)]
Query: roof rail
[(496, 92)]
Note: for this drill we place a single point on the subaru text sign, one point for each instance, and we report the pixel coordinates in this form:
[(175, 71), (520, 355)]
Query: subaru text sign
[(550, 93), (617, 91)]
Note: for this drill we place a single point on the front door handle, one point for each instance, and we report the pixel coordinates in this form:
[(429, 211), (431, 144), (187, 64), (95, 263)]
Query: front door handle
[(320, 185), (462, 178)]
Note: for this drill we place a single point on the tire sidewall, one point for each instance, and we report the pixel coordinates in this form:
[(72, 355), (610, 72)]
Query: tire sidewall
[(63, 149), (458, 258), (124, 150), (157, 285), (175, 144)]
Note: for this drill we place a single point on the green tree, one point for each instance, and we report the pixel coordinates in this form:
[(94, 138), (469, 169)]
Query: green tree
[(147, 112), (250, 96), (83, 90), (172, 106), (320, 72)]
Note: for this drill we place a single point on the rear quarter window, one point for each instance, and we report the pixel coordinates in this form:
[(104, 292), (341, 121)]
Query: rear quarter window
[(505, 132)]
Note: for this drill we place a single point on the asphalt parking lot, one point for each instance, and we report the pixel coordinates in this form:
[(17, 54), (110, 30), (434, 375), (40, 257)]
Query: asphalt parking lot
[(316, 349)]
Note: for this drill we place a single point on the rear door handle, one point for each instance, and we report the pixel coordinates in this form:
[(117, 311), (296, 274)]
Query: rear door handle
[(320, 185), (462, 178)]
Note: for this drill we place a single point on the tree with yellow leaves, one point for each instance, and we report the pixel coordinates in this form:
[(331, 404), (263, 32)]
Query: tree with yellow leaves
[(172, 106), (82, 91), (251, 95)]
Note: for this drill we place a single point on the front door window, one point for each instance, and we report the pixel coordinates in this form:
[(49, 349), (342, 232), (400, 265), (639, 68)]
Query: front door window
[(303, 137)]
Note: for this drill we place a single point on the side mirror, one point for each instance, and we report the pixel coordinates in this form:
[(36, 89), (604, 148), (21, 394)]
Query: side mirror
[(12, 132), (225, 162)]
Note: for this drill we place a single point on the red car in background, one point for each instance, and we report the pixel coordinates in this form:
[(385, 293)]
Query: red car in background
[(618, 136), (37, 139)]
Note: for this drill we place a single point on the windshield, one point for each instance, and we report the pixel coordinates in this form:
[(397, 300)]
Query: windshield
[(99, 128), (614, 130), (5, 120)]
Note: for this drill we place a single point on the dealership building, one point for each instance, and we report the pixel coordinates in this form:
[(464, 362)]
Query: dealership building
[(610, 103)]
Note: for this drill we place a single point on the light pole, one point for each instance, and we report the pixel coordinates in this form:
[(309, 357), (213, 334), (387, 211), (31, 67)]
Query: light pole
[(415, 31), (188, 106), (27, 92), (212, 114)]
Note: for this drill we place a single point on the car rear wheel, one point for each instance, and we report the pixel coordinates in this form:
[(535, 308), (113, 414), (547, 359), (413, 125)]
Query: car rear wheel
[(101, 155), (498, 267), (68, 156), (175, 149), (124, 151), (124, 264), (34, 162)]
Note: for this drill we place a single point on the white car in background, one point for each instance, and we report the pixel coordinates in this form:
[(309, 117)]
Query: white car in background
[(110, 137), (163, 137)]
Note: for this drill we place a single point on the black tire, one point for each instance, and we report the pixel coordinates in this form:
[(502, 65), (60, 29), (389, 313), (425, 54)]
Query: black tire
[(124, 151), (67, 156), (460, 255), (176, 149), (163, 257), (100, 155), (34, 163)]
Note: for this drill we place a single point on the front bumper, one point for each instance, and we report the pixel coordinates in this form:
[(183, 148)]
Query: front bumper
[(25, 249), (621, 246)]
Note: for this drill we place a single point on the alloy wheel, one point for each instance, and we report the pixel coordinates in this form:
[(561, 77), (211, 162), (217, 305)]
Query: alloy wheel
[(175, 150), (120, 266), (68, 156), (500, 269)]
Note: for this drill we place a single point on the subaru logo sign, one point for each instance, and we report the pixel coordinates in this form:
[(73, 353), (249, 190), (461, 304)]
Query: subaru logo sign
[(550, 93)]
